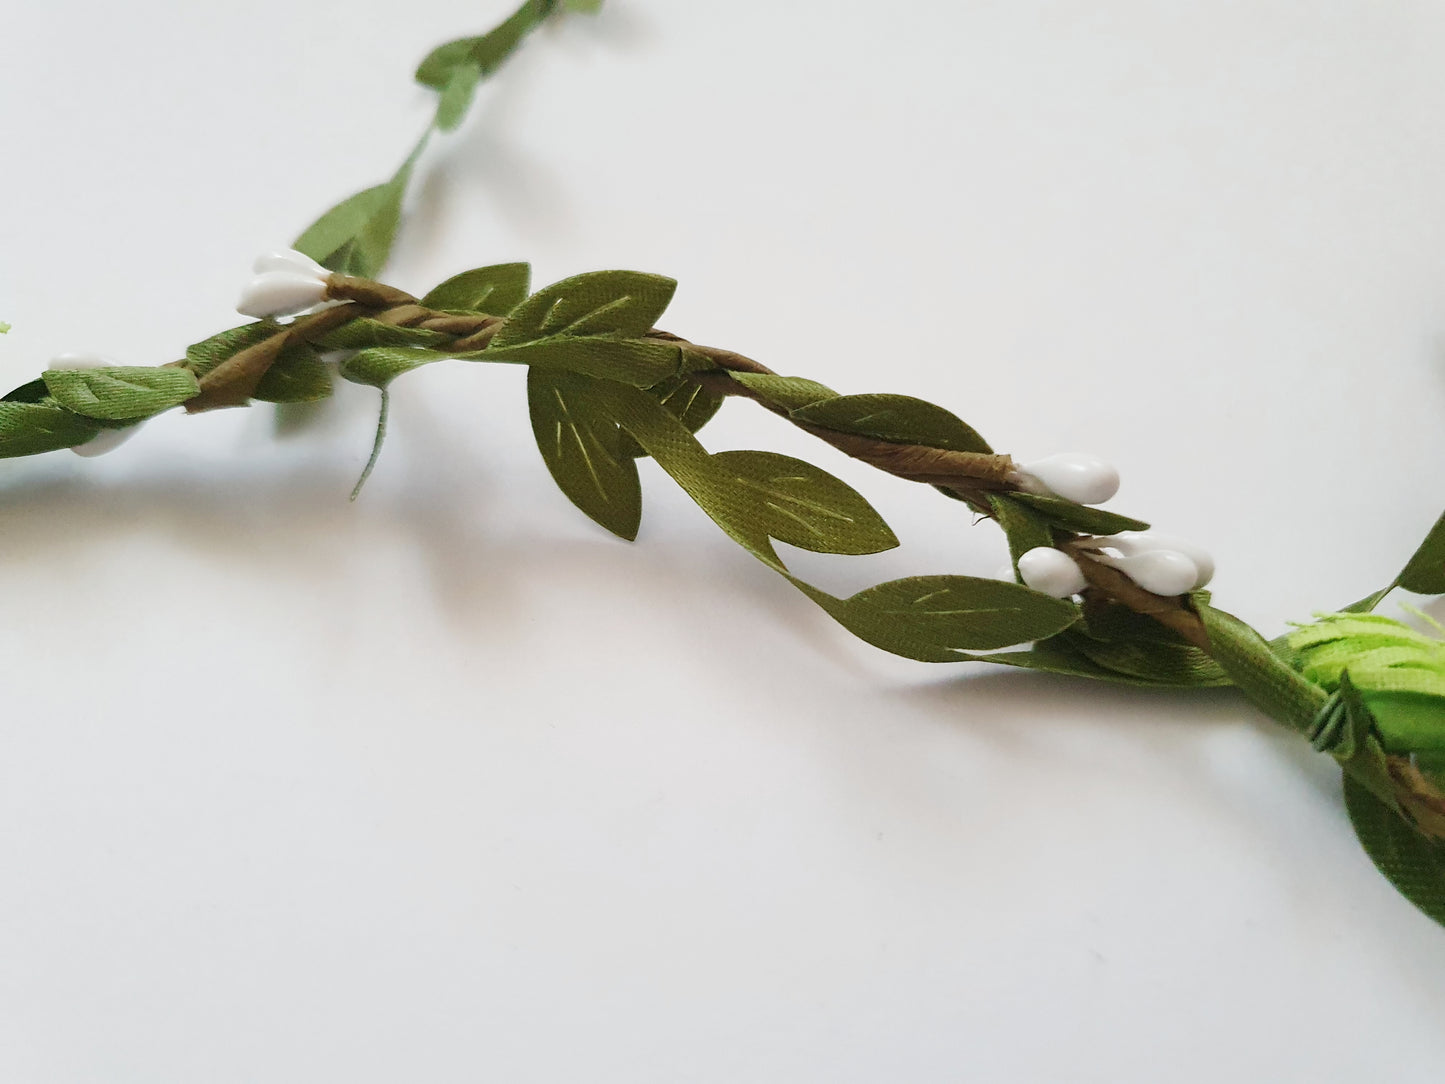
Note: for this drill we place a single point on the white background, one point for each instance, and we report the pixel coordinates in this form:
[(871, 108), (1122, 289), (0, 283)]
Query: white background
[(448, 785)]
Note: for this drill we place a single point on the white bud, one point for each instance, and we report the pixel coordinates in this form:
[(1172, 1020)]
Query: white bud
[(1051, 571), (106, 440), (1083, 479), (1162, 572), (281, 293), (80, 361), (1134, 542), (289, 260)]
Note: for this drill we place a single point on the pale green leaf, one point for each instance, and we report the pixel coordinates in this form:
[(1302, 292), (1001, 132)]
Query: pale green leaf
[(495, 290), (456, 96), (582, 446), (32, 428), (121, 392), (1262, 675), (378, 366), (899, 418), (487, 51), (803, 505)]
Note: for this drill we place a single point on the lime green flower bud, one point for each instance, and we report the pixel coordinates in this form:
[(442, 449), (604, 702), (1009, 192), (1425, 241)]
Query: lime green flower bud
[(1399, 672)]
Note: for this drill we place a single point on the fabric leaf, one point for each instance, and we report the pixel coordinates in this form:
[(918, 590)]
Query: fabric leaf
[(378, 366), (495, 290), (456, 96), (1414, 864), (899, 418), (1077, 517), (121, 392), (805, 506), (298, 375), (1425, 572), (785, 392), (32, 428), (935, 618), (1024, 530), (582, 446), (364, 332)]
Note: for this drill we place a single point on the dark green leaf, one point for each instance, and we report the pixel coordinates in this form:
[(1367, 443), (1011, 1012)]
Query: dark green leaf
[(1425, 572), (785, 392), (32, 428), (364, 332), (378, 366), (33, 392), (495, 290), (456, 96), (686, 400), (1055, 656), (1412, 863), (1024, 530), (121, 392), (804, 506), (582, 447), (899, 418), (935, 618), (1078, 517), (298, 375)]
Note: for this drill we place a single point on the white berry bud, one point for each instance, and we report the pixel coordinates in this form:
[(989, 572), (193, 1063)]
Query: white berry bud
[(1052, 572), (1161, 572), (281, 293), (1083, 479), (1130, 543), (107, 440), (289, 260)]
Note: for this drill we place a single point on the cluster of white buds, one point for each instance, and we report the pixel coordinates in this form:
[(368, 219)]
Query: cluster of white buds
[(1075, 476), (107, 439), (285, 283), (1161, 564)]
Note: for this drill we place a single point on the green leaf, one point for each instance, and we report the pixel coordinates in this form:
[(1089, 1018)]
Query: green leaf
[(495, 290), (1158, 662), (686, 400), (582, 446), (121, 392), (1055, 656), (623, 303), (378, 366), (593, 324), (1425, 572), (298, 375), (33, 391), (1414, 864), (899, 418), (1024, 530), (364, 332), (356, 235), (1265, 678), (1078, 517), (205, 355), (486, 51), (803, 505), (456, 96), (32, 428), (936, 618), (785, 392)]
